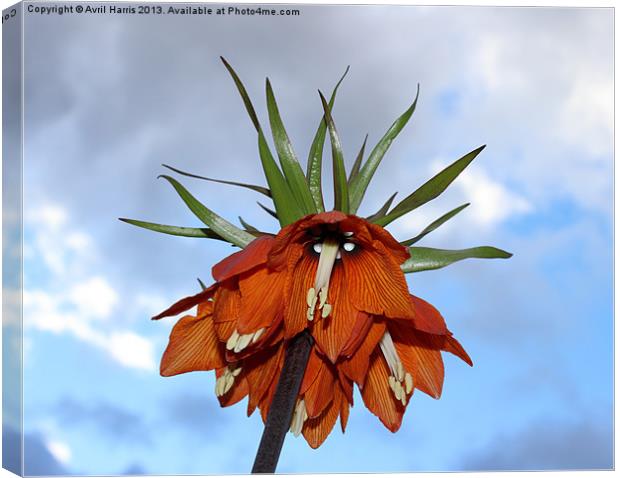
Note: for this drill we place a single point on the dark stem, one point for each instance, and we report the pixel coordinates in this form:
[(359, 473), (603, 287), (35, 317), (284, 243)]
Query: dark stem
[(281, 409)]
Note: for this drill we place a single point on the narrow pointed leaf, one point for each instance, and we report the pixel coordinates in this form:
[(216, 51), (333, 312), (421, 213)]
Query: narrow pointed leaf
[(355, 169), (202, 232), (287, 208), (341, 190), (202, 284), (286, 205), (431, 188), (288, 159), (426, 258), (244, 94), (362, 179), (384, 209), (434, 225), (217, 223), (253, 187), (269, 211), (315, 157), (248, 227)]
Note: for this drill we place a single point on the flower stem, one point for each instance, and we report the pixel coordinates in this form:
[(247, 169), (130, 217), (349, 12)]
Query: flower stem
[(283, 404)]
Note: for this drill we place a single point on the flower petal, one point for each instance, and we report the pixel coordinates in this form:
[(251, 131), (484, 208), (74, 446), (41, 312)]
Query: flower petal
[(237, 393), (187, 303), (226, 306), (260, 370), (300, 278), (378, 396), (343, 325), (421, 357), (321, 392), (262, 297), (427, 318), (398, 252), (193, 346), (376, 284), (316, 429), (356, 367), (254, 254)]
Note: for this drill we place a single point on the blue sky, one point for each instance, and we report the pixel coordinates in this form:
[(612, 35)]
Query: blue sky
[(110, 98)]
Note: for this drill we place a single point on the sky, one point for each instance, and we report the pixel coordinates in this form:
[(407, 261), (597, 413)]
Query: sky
[(109, 98)]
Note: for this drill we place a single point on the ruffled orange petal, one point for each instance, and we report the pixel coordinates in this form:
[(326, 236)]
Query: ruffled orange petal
[(344, 414), (227, 304), (356, 367), (321, 392), (378, 397), (398, 252), (421, 357), (260, 370), (312, 371), (332, 333), (188, 302), (427, 318), (193, 346), (376, 283), (237, 393), (299, 279), (316, 429), (262, 297), (254, 254)]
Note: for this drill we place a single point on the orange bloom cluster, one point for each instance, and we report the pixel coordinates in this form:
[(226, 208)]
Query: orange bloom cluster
[(338, 276)]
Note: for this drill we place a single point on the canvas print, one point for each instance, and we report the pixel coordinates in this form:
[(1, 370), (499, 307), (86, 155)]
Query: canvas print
[(289, 238)]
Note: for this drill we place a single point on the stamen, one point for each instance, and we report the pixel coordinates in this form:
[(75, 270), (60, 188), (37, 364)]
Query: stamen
[(338, 256), (400, 382), (329, 251), (300, 415), (232, 340), (258, 334), (408, 383), (226, 381), (243, 342), (327, 309)]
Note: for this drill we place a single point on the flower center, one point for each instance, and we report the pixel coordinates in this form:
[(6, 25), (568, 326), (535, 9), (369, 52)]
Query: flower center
[(401, 382), (329, 250)]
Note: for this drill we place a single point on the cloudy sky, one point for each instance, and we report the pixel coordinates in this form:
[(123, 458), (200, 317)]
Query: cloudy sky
[(108, 98)]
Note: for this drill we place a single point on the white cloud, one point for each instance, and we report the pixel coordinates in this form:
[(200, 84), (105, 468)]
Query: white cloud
[(59, 450), (94, 297), (491, 201), (75, 301)]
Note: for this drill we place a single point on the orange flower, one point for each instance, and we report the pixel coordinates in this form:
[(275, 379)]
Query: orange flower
[(338, 276)]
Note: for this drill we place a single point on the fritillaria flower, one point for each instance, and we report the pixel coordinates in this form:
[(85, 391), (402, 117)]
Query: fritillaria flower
[(334, 275)]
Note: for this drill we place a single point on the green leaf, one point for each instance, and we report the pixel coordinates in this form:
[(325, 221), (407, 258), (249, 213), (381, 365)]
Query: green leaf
[(287, 208), (384, 209), (341, 190), (202, 284), (174, 230), (426, 258), (288, 159), (244, 95), (269, 211), (362, 179), (218, 224), (248, 227), (432, 188), (253, 187), (358, 162), (315, 157), (434, 225)]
